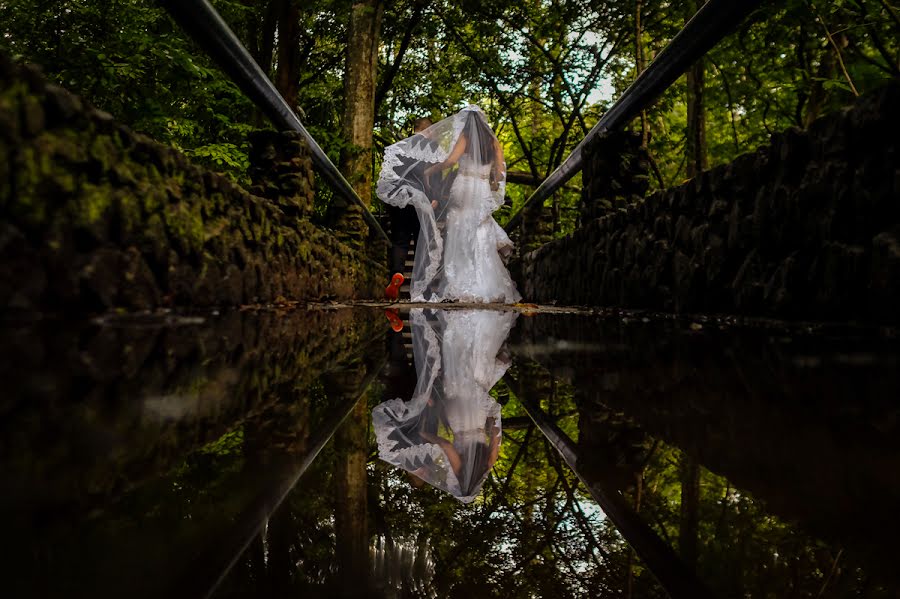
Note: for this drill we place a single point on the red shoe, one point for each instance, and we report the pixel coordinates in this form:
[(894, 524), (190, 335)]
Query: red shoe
[(393, 316), (392, 291)]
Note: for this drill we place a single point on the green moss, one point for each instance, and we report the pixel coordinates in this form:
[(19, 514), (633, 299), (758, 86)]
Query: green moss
[(152, 172), (151, 197), (130, 214), (31, 169), (228, 444), (304, 252), (65, 144), (184, 222), (11, 99), (91, 204), (124, 172), (158, 213), (103, 150)]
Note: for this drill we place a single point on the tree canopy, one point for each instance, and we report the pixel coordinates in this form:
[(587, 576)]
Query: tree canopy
[(543, 70)]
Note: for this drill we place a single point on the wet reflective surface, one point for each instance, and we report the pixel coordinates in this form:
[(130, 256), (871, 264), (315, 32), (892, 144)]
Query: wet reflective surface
[(242, 454)]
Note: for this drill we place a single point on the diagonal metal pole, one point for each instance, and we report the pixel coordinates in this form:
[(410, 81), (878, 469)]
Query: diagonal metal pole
[(679, 581), (205, 26), (715, 20)]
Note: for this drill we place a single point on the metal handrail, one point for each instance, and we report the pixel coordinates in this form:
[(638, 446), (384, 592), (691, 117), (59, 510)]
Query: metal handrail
[(204, 24), (711, 24)]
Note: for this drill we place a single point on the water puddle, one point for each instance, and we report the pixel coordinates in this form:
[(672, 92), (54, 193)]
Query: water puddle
[(427, 452)]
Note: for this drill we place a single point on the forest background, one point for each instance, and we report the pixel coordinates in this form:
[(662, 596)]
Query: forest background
[(543, 71)]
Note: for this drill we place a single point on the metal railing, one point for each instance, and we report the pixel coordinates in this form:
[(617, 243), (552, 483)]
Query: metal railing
[(715, 20), (205, 26)]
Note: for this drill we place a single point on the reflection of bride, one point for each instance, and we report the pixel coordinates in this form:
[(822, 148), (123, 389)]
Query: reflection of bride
[(464, 262), (448, 433)]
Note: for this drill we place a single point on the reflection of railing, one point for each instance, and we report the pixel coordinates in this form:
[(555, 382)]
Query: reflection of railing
[(711, 23), (673, 574), (203, 576), (206, 27)]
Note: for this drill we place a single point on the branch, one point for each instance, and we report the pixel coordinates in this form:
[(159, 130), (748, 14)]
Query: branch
[(727, 88), (388, 79), (834, 45), (891, 11)]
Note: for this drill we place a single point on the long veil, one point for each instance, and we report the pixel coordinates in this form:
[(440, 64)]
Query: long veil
[(448, 433), (403, 182)]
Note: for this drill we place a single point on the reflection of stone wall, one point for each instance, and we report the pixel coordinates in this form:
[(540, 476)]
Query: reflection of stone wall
[(807, 227), (94, 216), (808, 424), (130, 402)]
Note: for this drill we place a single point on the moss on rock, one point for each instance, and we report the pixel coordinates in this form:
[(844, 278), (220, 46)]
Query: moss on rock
[(140, 226)]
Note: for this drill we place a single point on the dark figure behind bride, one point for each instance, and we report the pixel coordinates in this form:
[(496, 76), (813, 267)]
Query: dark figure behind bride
[(405, 221)]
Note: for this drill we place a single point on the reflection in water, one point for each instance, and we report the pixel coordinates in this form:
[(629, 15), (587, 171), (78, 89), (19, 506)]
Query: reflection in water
[(448, 432), (137, 462)]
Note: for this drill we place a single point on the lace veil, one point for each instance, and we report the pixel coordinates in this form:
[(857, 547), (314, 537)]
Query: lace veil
[(448, 433), (462, 143)]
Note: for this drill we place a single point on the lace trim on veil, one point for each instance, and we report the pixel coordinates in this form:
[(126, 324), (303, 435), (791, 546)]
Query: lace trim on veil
[(387, 415), (391, 192)]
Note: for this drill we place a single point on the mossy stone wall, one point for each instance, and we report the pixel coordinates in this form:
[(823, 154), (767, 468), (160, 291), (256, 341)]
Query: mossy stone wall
[(807, 227), (94, 216)]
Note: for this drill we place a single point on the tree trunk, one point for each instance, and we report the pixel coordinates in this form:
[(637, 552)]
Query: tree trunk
[(287, 76), (266, 46), (350, 518), (690, 503), (639, 64), (359, 92), (695, 146), (359, 115), (262, 48)]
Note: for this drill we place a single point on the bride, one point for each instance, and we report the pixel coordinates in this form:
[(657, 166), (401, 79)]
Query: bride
[(448, 433), (458, 252)]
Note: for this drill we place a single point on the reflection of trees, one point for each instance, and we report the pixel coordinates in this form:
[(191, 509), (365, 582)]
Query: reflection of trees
[(685, 389), (165, 438), (350, 493), (520, 539), (536, 532)]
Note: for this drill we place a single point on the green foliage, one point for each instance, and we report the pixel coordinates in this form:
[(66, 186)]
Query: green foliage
[(544, 71), (128, 58)]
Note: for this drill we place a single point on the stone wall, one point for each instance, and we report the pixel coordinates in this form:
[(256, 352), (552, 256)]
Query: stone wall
[(807, 227), (94, 216), (615, 175)]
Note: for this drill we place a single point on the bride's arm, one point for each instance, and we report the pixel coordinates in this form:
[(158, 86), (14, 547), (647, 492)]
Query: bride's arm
[(498, 168), (499, 163), (452, 159), (447, 447)]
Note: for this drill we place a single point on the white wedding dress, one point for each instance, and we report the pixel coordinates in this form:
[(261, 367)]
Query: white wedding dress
[(474, 242), (459, 249), (458, 360)]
